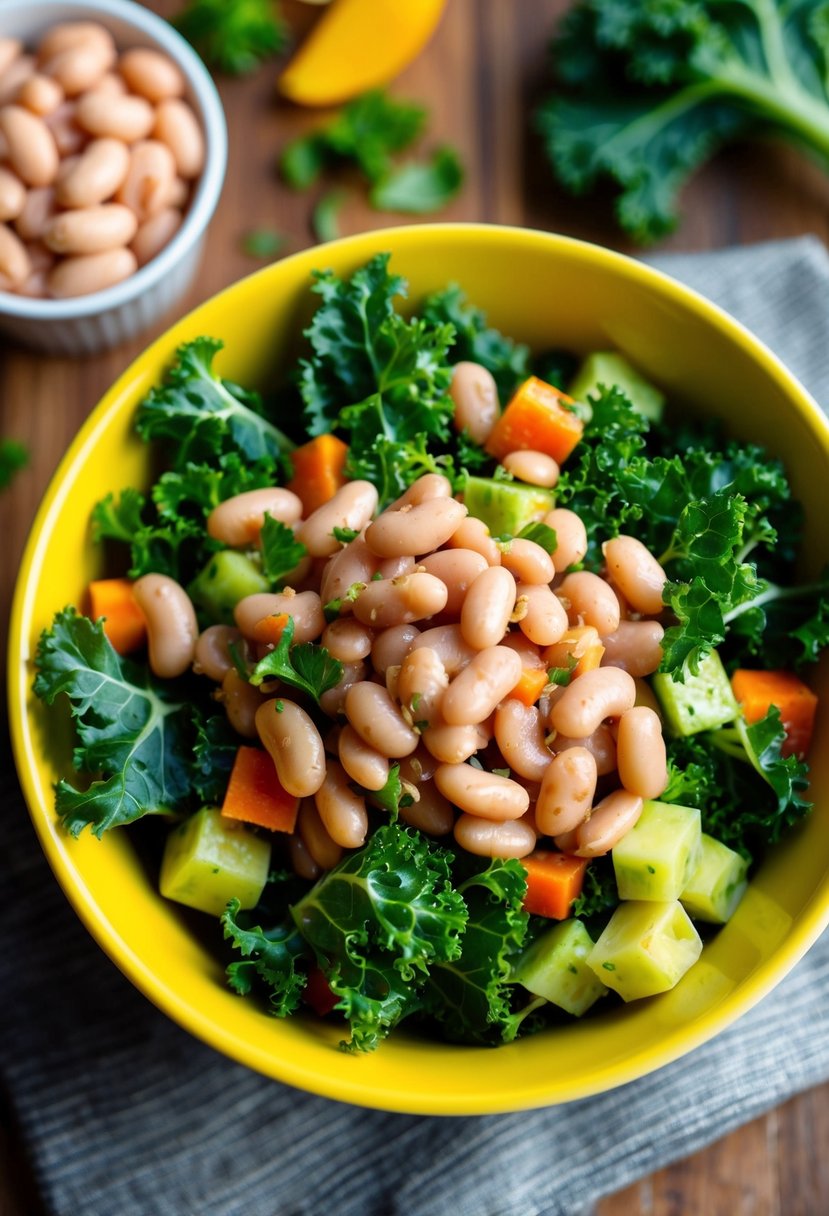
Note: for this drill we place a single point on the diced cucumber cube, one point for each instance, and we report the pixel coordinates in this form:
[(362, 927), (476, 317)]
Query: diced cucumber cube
[(505, 506), (209, 860), (608, 367), (716, 884), (656, 857), (646, 947), (704, 702), (227, 578), (555, 967)]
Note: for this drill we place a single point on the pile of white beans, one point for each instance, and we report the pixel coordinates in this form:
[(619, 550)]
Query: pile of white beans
[(98, 155), (437, 623)]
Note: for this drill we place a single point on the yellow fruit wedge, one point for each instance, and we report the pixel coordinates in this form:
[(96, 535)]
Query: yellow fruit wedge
[(358, 45)]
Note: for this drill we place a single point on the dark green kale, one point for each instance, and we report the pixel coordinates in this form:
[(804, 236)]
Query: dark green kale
[(645, 93), (134, 733)]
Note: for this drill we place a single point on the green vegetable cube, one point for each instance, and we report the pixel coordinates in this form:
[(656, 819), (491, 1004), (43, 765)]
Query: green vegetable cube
[(645, 948), (227, 578), (608, 367), (555, 967), (656, 857), (506, 506), (704, 702), (716, 884), (209, 860)]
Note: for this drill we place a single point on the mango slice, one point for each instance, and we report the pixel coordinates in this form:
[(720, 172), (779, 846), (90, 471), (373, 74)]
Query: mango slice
[(358, 45)]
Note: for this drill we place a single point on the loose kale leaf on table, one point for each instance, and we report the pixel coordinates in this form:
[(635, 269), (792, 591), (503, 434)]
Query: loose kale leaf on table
[(646, 92)]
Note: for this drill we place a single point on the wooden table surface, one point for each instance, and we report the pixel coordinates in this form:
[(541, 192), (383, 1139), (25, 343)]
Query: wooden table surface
[(479, 76)]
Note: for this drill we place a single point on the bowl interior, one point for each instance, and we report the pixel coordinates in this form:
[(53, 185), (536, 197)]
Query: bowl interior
[(546, 291)]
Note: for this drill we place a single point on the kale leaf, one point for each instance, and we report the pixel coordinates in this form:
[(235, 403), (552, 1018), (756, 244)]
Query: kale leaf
[(747, 792), (476, 341), (377, 923), (379, 378), (470, 994), (201, 417), (130, 728), (646, 92), (275, 956)]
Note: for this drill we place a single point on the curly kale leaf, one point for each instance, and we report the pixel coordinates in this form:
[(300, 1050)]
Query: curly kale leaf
[(378, 378), (747, 791), (646, 92), (476, 341), (201, 417), (377, 923), (278, 957), (214, 750), (470, 995), (130, 728)]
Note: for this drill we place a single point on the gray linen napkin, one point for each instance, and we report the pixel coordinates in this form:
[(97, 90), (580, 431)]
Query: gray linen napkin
[(123, 1114)]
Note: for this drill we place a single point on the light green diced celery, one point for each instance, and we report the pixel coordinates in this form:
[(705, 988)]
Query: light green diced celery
[(655, 858), (505, 506), (227, 578), (209, 860), (607, 367), (704, 702), (555, 967), (646, 948), (716, 884)]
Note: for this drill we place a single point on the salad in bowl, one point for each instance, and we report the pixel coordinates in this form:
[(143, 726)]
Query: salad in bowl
[(449, 687)]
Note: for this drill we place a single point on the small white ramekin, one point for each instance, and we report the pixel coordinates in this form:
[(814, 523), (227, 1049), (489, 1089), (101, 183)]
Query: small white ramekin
[(86, 324)]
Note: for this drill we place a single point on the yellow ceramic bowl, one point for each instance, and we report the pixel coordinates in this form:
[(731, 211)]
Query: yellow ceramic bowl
[(544, 290)]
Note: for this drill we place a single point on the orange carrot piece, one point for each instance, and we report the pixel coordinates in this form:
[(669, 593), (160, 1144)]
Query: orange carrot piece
[(124, 623), (270, 628), (528, 689), (536, 419), (255, 794), (580, 642), (554, 880), (318, 471), (757, 691)]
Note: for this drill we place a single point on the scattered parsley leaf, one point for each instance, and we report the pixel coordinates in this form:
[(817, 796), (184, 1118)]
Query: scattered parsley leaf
[(233, 36), (417, 187), (13, 457), (281, 551), (263, 243), (365, 132), (540, 534), (306, 666), (344, 535), (325, 220)]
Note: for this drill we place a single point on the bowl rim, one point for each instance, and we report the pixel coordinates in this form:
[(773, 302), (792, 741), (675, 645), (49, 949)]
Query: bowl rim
[(208, 190), (677, 1041)]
